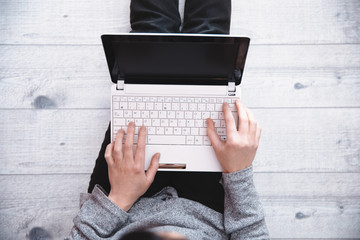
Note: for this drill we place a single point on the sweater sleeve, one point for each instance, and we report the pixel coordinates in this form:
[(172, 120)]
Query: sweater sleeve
[(98, 218), (243, 214)]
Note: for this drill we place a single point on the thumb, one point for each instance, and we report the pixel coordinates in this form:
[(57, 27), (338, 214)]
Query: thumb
[(214, 138), (154, 166)]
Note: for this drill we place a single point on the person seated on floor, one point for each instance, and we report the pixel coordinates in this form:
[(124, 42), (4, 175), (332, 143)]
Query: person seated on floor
[(125, 202)]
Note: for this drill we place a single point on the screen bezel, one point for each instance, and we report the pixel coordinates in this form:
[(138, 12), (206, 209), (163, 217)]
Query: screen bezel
[(238, 63)]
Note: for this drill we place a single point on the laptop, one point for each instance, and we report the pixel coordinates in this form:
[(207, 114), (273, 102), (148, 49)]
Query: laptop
[(172, 83)]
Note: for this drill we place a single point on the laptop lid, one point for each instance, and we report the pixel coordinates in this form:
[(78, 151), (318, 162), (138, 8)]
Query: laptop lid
[(175, 58)]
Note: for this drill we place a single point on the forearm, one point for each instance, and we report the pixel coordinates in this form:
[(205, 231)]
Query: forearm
[(98, 218), (243, 214)]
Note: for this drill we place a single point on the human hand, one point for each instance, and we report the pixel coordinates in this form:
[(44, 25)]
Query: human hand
[(127, 177), (239, 149)]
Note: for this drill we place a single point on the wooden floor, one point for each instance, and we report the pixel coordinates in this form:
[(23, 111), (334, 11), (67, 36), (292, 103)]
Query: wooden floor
[(302, 81)]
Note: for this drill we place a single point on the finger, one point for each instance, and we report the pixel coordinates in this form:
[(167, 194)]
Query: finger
[(118, 143), (129, 141), (252, 124), (108, 154), (214, 138), (154, 166), (229, 121), (243, 118), (258, 134), (140, 147)]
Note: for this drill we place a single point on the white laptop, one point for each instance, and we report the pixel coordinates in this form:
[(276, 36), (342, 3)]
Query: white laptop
[(172, 83)]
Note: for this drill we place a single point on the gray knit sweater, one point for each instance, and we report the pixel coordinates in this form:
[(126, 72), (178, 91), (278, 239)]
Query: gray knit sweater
[(243, 217)]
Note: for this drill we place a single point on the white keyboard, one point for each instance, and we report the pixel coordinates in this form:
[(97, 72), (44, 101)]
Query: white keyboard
[(171, 120)]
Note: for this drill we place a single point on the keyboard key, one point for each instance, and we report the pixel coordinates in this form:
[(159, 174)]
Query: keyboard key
[(136, 114), (175, 106), (155, 139), (207, 141), (154, 114), (197, 115), (188, 115), (221, 131), (202, 132), (140, 106), (192, 106), (119, 121), (162, 114), (164, 122), (138, 122), (212, 100), (190, 123), (167, 106), (199, 123), (127, 114), (123, 105), (160, 130), (116, 98), (205, 115), (218, 107), (182, 123), (179, 114), (201, 107), (184, 106), (158, 106), (198, 140), (168, 131), (185, 131), (151, 130), (147, 122), (149, 106), (210, 107), (116, 105), (155, 122), (173, 123), (171, 114), (132, 105), (214, 115), (145, 114), (118, 113), (177, 131), (194, 131), (190, 139)]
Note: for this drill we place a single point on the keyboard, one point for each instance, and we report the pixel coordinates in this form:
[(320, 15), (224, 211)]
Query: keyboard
[(171, 120)]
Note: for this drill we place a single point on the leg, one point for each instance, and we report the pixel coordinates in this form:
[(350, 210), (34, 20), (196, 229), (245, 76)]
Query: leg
[(210, 16), (202, 187), (156, 16), (100, 173)]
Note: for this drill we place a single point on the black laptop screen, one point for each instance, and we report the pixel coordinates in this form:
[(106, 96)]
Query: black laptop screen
[(172, 59)]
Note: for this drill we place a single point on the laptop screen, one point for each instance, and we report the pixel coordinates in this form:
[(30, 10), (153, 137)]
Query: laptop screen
[(175, 59)]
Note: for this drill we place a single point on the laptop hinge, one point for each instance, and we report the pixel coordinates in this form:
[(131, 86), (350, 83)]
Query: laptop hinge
[(231, 88), (120, 85)]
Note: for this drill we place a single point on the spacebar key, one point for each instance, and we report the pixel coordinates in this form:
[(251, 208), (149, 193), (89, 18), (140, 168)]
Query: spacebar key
[(162, 139)]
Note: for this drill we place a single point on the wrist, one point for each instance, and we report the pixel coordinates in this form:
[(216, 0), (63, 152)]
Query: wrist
[(122, 203)]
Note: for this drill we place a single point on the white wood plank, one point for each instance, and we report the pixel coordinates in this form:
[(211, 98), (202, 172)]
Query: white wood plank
[(68, 141), (272, 21), (77, 76), (293, 204)]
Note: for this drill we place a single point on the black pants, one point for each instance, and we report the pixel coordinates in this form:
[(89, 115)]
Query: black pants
[(162, 16)]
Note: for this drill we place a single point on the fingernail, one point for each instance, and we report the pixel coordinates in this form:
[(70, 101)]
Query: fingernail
[(143, 128), (131, 124), (158, 156)]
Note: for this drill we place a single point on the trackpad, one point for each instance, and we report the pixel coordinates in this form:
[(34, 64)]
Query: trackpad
[(183, 158)]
